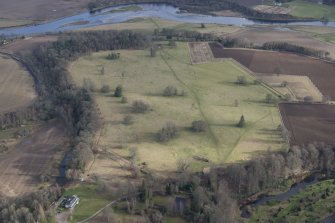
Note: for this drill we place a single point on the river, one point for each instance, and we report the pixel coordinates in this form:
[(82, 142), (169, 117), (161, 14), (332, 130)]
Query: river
[(162, 11)]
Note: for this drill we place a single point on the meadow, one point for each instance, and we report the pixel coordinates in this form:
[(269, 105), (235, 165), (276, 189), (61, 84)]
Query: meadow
[(210, 94)]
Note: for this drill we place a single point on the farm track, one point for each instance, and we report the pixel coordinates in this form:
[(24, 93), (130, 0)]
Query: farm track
[(195, 96)]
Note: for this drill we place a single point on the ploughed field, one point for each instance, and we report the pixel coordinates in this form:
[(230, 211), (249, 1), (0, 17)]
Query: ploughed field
[(16, 85), (321, 73), (309, 122), (21, 168)]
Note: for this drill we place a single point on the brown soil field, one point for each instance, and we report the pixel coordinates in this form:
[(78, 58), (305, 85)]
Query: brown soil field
[(40, 9), (309, 122), (321, 73), (200, 52), (16, 85), (261, 35), (28, 44), (21, 167)]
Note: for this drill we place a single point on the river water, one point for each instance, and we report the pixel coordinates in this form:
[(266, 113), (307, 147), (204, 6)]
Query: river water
[(162, 11)]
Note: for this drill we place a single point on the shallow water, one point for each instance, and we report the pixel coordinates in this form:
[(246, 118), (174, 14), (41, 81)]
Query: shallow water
[(162, 11)]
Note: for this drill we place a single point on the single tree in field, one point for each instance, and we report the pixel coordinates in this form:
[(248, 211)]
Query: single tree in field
[(118, 91), (241, 80), (199, 126), (153, 51), (203, 25), (241, 123)]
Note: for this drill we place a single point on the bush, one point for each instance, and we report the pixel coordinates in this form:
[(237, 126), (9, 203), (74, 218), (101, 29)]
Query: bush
[(113, 56), (118, 91), (308, 99), (170, 91), (128, 119), (199, 126), (269, 98), (168, 132), (140, 107), (241, 80), (241, 123), (124, 100), (105, 88)]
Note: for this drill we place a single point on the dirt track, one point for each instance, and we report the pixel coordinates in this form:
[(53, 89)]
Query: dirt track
[(21, 168), (321, 73), (309, 122)]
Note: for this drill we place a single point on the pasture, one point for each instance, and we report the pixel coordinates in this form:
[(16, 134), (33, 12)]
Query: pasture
[(320, 72), (308, 123), (16, 85), (207, 92)]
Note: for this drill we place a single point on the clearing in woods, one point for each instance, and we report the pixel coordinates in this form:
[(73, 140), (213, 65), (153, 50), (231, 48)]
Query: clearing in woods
[(210, 94), (16, 85)]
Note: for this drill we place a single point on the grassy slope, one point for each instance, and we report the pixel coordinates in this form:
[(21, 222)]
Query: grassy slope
[(311, 10), (211, 93), (309, 200)]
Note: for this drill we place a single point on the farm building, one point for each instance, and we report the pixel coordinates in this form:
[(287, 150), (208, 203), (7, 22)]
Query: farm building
[(70, 201)]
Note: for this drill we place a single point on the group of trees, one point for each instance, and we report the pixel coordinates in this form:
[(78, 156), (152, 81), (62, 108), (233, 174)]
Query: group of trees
[(215, 195), (283, 46), (31, 208), (17, 118), (329, 2)]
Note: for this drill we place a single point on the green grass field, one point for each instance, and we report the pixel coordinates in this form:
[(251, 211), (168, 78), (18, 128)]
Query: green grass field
[(311, 10), (91, 200), (310, 205), (210, 95)]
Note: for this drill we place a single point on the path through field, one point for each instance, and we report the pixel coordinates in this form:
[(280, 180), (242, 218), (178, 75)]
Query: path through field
[(21, 168)]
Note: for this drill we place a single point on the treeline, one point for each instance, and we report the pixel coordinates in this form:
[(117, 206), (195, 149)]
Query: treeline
[(31, 208), (16, 118), (328, 2), (194, 36), (283, 46), (200, 6), (216, 195)]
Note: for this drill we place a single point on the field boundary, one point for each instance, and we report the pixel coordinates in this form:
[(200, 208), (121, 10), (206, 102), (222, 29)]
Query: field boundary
[(236, 63)]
